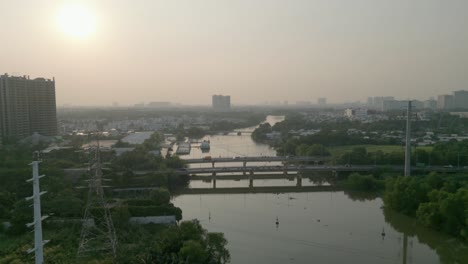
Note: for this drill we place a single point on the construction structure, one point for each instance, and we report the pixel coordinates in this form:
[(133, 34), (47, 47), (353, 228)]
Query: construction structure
[(97, 237), (38, 218), (221, 102), (27, 106)]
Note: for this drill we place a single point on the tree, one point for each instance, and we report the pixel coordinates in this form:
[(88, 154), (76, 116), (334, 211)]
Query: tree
[(6, 202), (217, 248), (160, 196), (21, 215), (404, 194), (121, 215), (192, 252), (360, 182)]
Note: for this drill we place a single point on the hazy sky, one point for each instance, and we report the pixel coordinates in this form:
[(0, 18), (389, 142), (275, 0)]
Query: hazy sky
[(253, 50)]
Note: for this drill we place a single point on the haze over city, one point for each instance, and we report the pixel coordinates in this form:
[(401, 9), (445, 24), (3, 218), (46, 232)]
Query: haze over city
[(185, 51)]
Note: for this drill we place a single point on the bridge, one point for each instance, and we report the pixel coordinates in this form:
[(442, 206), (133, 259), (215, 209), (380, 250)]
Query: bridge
[(235, 190), (278, 168), (245, 160), (299, 169), (265, 189), (321, 168), (257, 159)]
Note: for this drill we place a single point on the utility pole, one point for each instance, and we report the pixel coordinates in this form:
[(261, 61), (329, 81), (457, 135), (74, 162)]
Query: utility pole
[(38, 218), (408, 141)]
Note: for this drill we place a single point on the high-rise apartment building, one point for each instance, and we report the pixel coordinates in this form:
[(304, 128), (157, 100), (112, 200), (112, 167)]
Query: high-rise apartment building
[(221, 102), (460, 99), (430, 104), (445, 101), (27, 106), (322, 101)]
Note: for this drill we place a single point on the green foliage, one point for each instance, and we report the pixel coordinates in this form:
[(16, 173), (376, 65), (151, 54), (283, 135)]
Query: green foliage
[(6, 204), (366, 183), (160, 196), (404, 194), (66, 202), (154, 210), (195, 132), (21, 215), (260, 132), (217, 248), (439, 203), (154, 142), (121, 144), (120, 216), (157, 204), (190, 243), (138, 159), (312, 150), (192, 252)]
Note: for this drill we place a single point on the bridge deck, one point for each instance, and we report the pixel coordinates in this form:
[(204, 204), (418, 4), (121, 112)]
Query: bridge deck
[(272, 189), (257, 159)]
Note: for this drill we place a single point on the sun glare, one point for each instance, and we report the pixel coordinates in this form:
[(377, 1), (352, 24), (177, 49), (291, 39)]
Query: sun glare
[(76, 21)]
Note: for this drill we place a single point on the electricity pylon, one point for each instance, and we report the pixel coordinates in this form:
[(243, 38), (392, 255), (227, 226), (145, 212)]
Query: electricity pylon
[(97, 234)]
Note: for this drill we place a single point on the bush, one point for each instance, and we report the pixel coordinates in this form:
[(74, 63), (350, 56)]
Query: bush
[(154, 210), (360, 182)]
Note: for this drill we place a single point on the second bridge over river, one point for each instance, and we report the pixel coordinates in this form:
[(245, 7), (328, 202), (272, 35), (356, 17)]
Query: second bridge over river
[(247, 159)]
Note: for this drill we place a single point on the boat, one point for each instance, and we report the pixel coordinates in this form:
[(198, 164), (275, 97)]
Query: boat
[(205, 145), (183, 148)]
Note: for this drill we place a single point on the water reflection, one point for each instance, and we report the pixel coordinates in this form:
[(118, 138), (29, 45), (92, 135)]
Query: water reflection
[(314, 227), (361, 196), (449, 249), (320, 227)]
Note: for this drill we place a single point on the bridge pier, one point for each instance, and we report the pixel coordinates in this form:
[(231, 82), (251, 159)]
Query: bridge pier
[(335, 174), (213, 164), (213, 179), (299, 179)]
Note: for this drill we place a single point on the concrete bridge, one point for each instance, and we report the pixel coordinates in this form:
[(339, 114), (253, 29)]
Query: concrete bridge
[(266, 189), (285, 169), (278, 168), (245, 160)]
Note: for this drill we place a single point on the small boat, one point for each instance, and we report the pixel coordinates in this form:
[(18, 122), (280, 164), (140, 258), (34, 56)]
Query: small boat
[(205, 145), (277, 221), (383, 232)]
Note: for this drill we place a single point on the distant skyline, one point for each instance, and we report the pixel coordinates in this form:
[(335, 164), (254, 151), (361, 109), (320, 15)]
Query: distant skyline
[(185, 51)]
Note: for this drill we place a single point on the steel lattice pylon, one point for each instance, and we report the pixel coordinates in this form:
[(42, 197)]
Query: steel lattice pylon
[(97, 234)]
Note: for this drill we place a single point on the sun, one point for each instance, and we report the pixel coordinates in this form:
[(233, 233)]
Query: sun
[(76, 21)]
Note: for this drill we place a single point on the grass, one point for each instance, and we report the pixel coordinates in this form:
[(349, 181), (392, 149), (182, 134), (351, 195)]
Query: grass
[(339, 150)]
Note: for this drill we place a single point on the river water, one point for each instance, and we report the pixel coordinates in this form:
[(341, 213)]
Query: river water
[(314, 227)]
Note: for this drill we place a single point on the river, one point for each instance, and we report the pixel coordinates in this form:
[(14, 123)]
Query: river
[(314, 227)]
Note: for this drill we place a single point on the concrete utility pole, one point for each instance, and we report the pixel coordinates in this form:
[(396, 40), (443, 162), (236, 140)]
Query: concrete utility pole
[(38, 218), (408, 141)]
